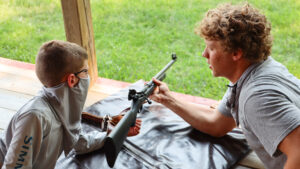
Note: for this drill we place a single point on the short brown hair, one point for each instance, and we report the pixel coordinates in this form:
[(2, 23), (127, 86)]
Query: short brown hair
[(56, 59), (238, 27)]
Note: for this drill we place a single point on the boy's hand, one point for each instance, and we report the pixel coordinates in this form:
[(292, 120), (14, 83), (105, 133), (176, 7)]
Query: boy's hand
[(135, 130), (107, 123)]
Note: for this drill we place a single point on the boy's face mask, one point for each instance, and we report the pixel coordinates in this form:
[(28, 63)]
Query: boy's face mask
[(67, 104), (80, 90)]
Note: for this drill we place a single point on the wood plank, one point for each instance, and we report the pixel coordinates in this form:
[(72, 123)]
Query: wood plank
[(12, 84), (5, 117), (18, 71), (13, 100), (79, 29), (94, 96), (71, 21), (25, 82), (87, 32), (19, 79), (19, 84)]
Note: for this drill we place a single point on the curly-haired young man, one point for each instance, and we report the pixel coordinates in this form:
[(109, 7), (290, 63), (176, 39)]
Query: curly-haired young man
[(263, 98)]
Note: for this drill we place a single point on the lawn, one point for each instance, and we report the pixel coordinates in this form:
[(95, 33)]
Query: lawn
[(135, 39)]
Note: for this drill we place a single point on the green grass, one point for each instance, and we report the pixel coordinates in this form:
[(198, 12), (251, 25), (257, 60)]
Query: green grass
[(135, 39)]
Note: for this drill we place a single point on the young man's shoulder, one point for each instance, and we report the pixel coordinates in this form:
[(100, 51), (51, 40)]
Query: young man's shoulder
[(270, 80), (270, 75)]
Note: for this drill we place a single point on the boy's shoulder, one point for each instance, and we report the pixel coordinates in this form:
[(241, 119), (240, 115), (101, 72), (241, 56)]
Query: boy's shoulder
[(37, 106)]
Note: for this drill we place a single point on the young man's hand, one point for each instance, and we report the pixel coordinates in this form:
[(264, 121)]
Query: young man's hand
[(161, 93)]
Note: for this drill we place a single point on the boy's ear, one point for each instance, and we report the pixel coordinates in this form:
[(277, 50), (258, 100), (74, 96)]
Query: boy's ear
[(237, 54), (72, 80)]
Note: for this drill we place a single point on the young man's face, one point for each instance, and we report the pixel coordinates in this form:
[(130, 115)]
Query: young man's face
[(220, 61)]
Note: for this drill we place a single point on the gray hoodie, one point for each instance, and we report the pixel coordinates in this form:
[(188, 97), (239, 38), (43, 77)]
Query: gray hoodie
[(47, 125)]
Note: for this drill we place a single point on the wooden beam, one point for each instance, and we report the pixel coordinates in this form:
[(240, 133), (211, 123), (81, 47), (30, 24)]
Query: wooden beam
[(79, 29)]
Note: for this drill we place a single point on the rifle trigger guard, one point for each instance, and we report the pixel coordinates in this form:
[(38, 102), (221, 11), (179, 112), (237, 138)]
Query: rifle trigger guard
[(149, 101)]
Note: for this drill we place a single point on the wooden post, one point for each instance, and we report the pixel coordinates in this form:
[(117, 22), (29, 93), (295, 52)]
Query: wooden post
[(79, 30)]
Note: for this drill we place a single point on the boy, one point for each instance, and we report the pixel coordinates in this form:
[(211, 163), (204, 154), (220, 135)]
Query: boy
[(50, 122)]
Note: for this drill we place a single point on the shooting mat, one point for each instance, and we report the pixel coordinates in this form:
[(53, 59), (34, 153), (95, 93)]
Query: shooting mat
[(165, 141)]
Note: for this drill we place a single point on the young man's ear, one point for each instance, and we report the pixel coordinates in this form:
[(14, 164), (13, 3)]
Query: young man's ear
[(72, 80), (237, 55)]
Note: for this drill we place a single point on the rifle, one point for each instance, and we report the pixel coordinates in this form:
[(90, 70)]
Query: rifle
[(114, 141)]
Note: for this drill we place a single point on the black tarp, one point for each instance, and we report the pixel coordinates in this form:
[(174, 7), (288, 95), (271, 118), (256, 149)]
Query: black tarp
[(165, 141)]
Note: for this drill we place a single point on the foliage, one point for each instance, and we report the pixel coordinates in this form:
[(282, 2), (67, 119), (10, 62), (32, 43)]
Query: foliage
[(135, 39)]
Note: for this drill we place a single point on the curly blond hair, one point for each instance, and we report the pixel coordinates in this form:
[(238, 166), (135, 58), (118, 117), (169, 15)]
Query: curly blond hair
[(238, 27)]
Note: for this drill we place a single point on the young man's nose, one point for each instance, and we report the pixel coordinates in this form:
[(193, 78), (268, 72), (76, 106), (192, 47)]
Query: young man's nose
[(204, 54)]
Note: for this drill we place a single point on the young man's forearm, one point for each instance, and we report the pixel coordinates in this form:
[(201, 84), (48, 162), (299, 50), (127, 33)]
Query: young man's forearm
[(201, 117)]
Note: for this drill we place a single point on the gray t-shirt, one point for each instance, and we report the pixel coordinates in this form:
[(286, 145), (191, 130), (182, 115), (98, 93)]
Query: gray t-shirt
[(265, 102)]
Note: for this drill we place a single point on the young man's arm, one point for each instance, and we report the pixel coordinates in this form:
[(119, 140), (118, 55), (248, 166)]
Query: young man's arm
[(290, 146), (27, 134), (202, 118)]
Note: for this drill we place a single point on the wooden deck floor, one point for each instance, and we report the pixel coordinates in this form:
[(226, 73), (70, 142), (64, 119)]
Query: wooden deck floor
[(18, 84)]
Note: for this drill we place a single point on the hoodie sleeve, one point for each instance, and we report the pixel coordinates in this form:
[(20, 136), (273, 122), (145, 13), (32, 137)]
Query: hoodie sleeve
[(89, 142), (25, 144)]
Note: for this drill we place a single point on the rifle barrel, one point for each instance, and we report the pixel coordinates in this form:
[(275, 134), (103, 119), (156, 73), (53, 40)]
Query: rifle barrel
[(114, 141), (161, 73)]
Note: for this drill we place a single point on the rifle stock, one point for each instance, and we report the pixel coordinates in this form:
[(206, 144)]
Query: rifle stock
[(114, 141)]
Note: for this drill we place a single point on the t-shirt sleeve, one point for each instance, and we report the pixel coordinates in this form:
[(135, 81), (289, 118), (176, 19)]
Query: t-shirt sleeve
[(222, 105), (271, 116), (89, 142), (26, 141)]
